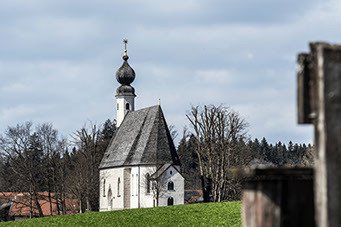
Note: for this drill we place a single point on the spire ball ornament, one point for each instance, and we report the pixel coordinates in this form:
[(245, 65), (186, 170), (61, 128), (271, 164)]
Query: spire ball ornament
[(125, 56)]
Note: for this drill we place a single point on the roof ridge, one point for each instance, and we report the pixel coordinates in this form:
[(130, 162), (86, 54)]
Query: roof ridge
[(150, 107)]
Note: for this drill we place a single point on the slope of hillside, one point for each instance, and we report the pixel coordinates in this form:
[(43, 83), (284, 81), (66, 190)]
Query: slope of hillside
[(208, 214)]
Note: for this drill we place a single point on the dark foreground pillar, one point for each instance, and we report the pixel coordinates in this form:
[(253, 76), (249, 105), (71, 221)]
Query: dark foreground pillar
[(278, 197), (319, 102)]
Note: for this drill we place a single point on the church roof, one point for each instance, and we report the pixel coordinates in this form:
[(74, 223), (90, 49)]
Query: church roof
[(143, 138)]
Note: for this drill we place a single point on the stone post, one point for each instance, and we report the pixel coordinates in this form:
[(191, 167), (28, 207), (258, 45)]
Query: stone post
[(275, 197), (319, 102)]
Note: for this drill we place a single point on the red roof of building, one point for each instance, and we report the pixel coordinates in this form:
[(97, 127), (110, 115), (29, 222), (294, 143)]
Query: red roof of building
[(194, 196), (20, 204)]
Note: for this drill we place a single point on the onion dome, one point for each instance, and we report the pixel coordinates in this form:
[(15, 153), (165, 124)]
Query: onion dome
[(125, 75)]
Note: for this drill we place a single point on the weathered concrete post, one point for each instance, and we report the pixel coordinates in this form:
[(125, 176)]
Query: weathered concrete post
[(278, 197), (319, 102)]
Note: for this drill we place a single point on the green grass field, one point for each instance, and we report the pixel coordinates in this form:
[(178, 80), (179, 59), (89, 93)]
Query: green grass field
[(208, 214)]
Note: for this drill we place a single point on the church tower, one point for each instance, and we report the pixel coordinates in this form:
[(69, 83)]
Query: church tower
[(125, 94)]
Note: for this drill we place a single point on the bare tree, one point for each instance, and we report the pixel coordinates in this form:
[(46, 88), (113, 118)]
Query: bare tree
[(33, 164), (35, 160), (20, 146), (61, 162), (76, 181), (218, 131), (87, 141), (173, 132), (91, 143), (47, 137)]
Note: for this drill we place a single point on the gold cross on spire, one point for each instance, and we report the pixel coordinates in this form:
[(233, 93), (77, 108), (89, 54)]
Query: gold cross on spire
[(125, 41)]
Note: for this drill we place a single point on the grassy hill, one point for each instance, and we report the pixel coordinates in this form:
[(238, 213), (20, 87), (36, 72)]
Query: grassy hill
[(209, 214)]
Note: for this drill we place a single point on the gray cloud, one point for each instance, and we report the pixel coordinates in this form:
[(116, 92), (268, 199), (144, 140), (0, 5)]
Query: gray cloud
[(58, 59)]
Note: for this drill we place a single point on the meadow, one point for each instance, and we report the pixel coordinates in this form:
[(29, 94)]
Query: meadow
[(204, 214)]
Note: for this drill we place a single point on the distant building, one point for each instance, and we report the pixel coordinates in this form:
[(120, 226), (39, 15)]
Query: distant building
[(19, 206), (140, 167), (194, 196)]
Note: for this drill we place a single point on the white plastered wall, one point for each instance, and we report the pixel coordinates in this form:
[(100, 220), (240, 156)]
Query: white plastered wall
[(138, 189), (134, 187), (178, 193), (121, 107), (139, 198), (146, 199), (111, 180)]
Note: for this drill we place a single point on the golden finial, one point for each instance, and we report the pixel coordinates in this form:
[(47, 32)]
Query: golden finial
[(159, 101), (125, 41)]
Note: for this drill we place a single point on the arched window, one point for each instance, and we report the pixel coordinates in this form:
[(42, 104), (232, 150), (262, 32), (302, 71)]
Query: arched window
[(118, 186), (110, 198), (170, 185), (171, 172), (148, 182), (170, 201), (127, 106), (104, 188)]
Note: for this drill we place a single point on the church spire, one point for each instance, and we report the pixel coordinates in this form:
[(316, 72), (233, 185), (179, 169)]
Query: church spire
[(125, 41), (125, 93), (125, 75)]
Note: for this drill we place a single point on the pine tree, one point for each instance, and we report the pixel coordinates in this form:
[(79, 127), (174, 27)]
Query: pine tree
[(265, 150)]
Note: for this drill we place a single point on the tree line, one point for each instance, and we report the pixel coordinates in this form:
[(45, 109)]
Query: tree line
[(37, 159), (219, 143)]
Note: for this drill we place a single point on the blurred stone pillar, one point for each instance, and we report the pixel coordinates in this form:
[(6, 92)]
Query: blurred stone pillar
[(319, 102), (278, 197)]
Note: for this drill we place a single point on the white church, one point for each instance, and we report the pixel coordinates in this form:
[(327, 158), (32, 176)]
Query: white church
[(140, 167)]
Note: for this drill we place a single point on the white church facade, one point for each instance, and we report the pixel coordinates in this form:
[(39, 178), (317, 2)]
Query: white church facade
[(140, 167)]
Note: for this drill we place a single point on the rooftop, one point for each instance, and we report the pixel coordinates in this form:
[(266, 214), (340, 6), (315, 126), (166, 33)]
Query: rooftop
[(142, 139)]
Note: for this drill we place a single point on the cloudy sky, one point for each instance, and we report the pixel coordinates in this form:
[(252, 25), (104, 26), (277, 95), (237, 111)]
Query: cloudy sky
[(58, 59)]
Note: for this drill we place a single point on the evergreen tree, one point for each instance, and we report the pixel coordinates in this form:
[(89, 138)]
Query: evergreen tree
[(265, 150), (109, 128), (189, 162)]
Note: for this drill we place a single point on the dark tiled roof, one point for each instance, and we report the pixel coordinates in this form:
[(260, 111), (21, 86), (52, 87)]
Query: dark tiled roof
[(142, 139)]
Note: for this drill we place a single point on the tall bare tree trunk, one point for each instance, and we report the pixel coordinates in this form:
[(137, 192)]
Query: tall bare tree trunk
[(50, 200), (36, 200)]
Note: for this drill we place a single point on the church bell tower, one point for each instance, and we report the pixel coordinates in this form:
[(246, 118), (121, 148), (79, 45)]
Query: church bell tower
[(125, 94)]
